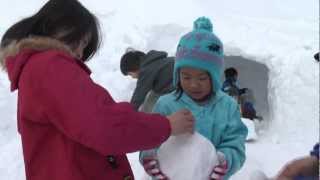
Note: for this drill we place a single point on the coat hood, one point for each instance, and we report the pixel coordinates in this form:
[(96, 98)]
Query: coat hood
[(14, 57), (154, 56)]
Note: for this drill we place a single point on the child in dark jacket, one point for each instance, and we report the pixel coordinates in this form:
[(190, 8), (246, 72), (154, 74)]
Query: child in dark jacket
[(154, 73)]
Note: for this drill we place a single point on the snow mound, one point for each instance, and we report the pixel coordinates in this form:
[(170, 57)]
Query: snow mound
[(187, 157), (252, 135)]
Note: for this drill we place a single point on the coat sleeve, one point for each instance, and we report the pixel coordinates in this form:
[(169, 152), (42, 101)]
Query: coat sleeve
[(144, 85), (233, 141), (160, 108), (87, 114)]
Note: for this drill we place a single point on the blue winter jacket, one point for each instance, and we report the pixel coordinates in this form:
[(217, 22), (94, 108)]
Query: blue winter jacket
[(219, 121)]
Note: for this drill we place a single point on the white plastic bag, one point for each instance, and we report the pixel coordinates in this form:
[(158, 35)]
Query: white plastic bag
[(187, 157)]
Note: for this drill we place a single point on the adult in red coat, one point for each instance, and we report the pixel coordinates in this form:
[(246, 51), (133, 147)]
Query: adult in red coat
[(71, 128)]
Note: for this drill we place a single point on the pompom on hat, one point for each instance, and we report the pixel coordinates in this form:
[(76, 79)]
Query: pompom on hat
[(201, 49)]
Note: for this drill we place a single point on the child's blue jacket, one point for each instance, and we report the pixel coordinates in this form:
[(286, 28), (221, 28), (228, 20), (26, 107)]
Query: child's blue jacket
[(218, 120)]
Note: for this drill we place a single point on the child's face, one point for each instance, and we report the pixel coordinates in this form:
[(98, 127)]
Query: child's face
[(196, 83)]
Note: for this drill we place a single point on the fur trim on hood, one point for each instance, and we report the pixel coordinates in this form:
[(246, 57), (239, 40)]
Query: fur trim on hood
[(35, 43)]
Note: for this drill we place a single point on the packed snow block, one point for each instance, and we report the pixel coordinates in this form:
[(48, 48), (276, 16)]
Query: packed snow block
[(187, 157), (252, 135)]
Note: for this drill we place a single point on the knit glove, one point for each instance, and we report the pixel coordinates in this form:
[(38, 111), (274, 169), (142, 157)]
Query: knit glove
[(220, 170), (152, 168)]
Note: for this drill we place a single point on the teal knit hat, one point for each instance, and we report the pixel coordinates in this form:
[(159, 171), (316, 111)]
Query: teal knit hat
[(201, 49)]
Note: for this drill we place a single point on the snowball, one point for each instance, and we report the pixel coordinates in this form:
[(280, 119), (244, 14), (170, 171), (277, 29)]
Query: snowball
[(187, 157)]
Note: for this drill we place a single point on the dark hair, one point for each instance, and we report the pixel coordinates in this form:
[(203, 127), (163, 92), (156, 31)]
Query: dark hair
[(130, 61), (230, 73), (65, 20), (178, 92), (316, 57)]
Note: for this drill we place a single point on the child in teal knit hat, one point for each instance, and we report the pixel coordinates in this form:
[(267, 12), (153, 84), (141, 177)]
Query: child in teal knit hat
[(197, 73), (201, 49)]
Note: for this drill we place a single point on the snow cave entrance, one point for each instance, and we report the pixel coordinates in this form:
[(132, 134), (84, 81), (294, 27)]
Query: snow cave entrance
[(255, 76)]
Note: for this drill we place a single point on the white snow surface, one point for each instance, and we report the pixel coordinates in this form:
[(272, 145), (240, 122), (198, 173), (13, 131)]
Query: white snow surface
[(283, 35)]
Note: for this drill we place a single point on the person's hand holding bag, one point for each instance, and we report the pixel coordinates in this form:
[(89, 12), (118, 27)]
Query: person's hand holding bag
[(220, 170)]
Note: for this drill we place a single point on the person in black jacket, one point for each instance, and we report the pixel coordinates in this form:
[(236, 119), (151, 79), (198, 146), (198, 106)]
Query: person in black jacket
[(230, 85), (153, 71)]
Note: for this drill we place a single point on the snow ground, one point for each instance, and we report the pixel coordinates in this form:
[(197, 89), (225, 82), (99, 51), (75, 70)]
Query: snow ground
[(283, 35)]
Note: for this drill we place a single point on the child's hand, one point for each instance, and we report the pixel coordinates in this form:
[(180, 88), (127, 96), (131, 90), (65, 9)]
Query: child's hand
[(181, 122), (152, 167), (220, 170)]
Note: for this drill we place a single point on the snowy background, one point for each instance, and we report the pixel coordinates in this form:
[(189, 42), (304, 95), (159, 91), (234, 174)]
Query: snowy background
[(282, 35)]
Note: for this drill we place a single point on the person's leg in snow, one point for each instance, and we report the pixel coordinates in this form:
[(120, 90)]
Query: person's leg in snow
[(306, 168)]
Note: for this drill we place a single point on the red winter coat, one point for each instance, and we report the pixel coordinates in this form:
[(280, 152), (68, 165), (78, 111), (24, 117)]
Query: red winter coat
[(71, 128)]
